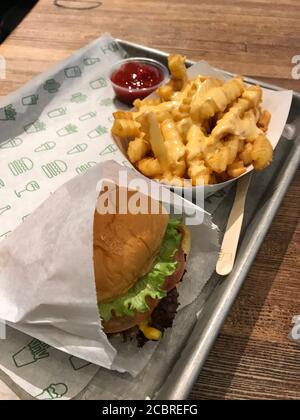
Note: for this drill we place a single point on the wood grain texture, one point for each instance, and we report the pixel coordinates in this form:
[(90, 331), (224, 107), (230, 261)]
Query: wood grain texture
[(252, 357), (6, 393)]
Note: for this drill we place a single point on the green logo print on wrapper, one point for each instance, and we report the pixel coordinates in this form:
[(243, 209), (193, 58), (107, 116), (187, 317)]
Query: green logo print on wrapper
[(58, 112), (67, 130), (2, 184), (51, 86), (218, 194), (72, 72), (45, 147), (89, 61), (126, 163), (4, 209), (97, 132), (30, 100), (20, 166), (111, 148), (53, 392), (106, 102), (5, 234), (110, 47), (78, 148), (84, 167), (25, 217), (87, 116), (98, 83), (77, 363), (8, 113), (31, 353), (54, 168), (35, 127), (11, 143), (78, 98), (30, 187)]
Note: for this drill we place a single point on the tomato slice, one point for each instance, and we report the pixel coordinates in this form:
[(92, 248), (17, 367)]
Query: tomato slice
[(171, 281)]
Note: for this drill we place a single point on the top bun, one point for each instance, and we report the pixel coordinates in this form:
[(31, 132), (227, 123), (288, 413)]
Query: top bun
[(125, 247)]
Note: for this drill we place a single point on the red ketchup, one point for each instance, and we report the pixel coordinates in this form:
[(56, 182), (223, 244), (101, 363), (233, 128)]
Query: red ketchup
[(136, 79)]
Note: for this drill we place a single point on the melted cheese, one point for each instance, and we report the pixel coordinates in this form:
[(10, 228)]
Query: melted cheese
[(218, 97), (157, 142), (240, 120), (232, 123), (149, 332), (173, 141)]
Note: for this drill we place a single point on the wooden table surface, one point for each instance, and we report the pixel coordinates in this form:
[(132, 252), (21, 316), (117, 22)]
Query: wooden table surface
[(252, 358)]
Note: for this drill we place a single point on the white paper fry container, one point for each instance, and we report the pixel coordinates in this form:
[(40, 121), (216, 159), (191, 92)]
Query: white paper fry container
[(278, 103), (47, 287)]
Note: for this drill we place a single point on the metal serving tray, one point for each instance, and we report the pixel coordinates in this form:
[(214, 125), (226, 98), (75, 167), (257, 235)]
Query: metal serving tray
[(174, 378), (266, 192)]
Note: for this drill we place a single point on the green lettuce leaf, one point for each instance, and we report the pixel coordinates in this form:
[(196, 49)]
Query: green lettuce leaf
[(149, 285)]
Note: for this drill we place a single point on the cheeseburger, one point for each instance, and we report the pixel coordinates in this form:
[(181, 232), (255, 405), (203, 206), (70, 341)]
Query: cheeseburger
[(138, 261)]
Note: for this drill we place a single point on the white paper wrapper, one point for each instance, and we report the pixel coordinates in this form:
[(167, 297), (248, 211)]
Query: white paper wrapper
[(47, 279), (54, 128), (41, 371)]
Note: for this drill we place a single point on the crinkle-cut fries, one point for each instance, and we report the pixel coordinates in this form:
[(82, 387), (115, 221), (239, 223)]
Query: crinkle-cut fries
[(202, 129)]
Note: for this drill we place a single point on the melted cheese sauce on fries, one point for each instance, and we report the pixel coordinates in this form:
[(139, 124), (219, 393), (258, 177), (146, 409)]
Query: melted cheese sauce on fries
[(202, 129)]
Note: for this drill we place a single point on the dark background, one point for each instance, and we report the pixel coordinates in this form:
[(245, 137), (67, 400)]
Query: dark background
[(11, 14)]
